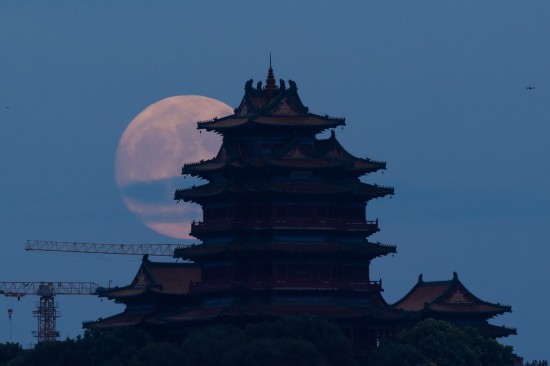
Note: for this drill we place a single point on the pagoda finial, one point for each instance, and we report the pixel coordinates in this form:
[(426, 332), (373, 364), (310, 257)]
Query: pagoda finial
[(270, 82)]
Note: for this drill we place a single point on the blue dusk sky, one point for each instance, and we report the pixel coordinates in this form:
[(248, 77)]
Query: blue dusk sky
[(435, 88)]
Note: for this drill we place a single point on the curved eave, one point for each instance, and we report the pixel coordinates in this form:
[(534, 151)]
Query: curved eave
[(482, 310), (232, 121), (374, 191), (374, 310), (124, 319), (309, 120), (294, 163), (495, 331), (122, 293), (203, 167), (380, 250), (367, 249), (193, 193), (364, 166)]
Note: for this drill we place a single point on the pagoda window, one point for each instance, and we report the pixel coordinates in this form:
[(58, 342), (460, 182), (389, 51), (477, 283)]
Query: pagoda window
[(324, 272), (243, 271), (242, 212), (215, 272), (262, 212), (301, 271), (358, 273), (301, 212), (300, 174), (321, 212), (279, 211), (214, 213), (279, 271), (262, 272)]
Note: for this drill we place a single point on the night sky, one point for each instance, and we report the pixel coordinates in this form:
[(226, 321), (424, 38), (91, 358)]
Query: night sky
[(437, 89)]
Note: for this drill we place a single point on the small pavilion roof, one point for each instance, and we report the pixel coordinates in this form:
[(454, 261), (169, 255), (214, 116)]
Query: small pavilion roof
[(158, 277), (447, 297)]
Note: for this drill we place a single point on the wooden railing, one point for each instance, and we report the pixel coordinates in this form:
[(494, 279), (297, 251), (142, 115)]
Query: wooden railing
[(230, 285), (198, 227)]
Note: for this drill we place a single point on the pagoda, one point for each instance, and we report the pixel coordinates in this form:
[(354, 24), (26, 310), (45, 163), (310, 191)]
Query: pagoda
[(284, 228), (284, 232)]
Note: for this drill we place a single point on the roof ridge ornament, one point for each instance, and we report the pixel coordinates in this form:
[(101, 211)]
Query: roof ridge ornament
[(270, 84)]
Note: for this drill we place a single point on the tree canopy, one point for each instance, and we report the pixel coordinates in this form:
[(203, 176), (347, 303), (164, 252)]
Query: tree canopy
[(300, 341)]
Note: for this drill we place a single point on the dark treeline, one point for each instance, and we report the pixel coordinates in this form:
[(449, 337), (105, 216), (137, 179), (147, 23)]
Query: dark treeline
[(288, 341)]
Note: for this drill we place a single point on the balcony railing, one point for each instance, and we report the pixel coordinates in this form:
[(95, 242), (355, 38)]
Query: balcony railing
[(198, 227), (288, 284)]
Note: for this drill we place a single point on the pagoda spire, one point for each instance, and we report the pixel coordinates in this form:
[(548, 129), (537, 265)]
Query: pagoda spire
[(270, 81)]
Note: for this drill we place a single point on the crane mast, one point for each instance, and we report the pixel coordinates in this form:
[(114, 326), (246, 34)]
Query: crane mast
[(46, 312), (163, 250)]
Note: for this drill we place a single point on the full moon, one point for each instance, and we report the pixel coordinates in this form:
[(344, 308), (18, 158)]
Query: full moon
[(151, 153)]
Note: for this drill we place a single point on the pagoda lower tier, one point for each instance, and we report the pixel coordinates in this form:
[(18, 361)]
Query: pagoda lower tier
[(154, 303), (168, 299)]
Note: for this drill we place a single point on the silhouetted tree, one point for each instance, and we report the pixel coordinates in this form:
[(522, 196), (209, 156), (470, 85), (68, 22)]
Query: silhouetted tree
[(8, 351), (434, 342)]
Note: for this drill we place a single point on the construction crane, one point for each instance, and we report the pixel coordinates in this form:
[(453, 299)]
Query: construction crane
[(46, 310), (163, 250)]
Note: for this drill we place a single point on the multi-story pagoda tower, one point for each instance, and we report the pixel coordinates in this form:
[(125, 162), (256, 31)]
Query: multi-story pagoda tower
[(284, 226), (284, 231)]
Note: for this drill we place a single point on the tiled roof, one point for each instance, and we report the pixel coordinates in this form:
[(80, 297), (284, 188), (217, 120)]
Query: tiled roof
[(287, 186), (305, 163), (370, 190), (370, 249), (123, 319), (223, 123), (371, 307), (306, 121), (173, 278), (208, 165), (495, 331), (206, 190), (420, 295), (450, 297), (306, 187), (165, 278)]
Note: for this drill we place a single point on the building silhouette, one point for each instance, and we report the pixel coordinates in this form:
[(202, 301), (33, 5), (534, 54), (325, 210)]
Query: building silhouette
[(285, 231)]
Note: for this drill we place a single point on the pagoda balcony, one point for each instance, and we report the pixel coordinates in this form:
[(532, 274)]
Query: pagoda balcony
[(200, 227), (287, 284)]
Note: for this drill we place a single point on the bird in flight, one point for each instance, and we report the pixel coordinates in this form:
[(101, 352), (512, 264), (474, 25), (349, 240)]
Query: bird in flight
[(530, 87)]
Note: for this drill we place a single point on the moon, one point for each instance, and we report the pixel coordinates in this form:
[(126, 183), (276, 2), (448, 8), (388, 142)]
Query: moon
[(151, 153)]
